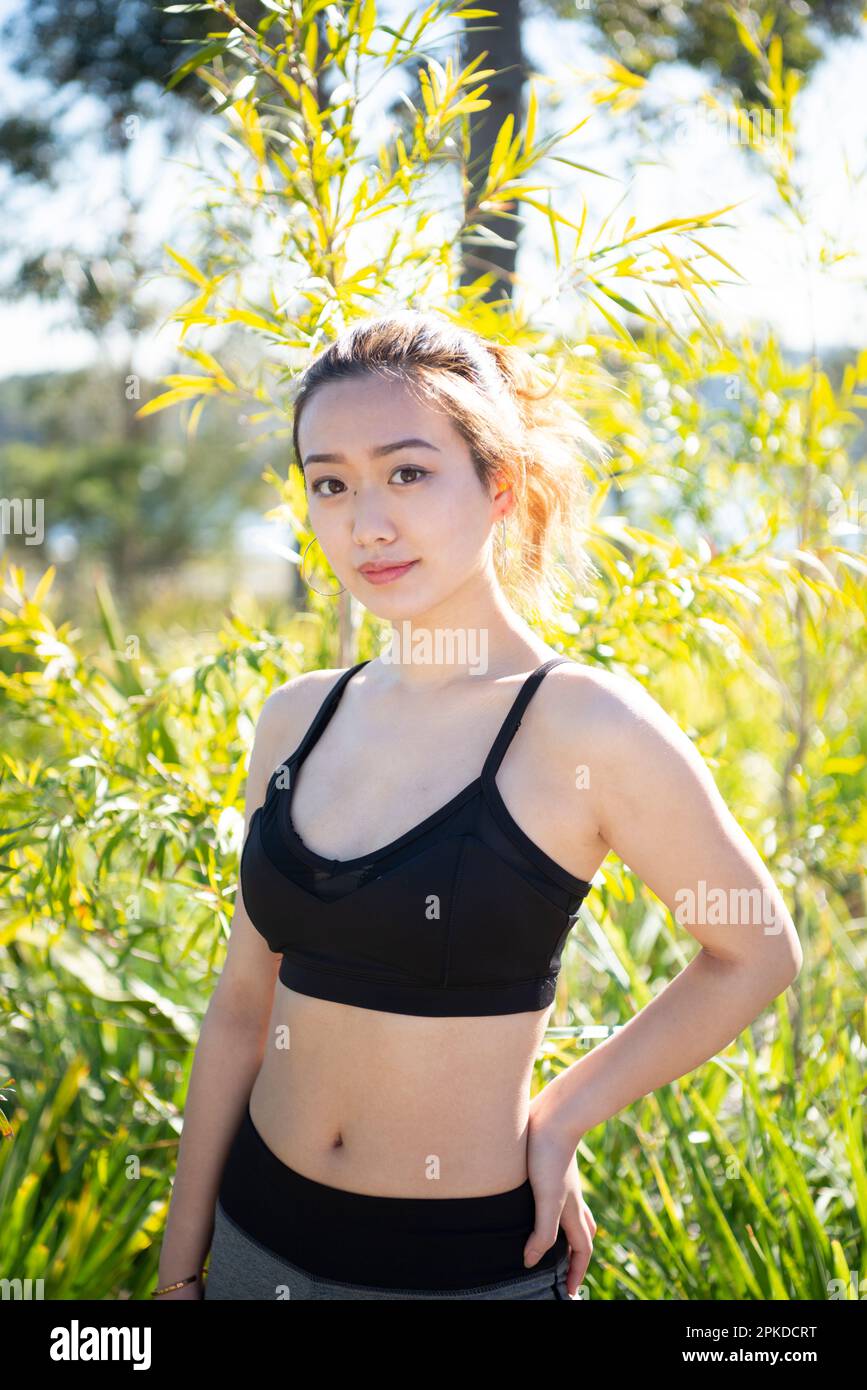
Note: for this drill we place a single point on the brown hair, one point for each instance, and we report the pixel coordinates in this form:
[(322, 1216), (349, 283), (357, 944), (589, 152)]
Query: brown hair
[(514, 427)]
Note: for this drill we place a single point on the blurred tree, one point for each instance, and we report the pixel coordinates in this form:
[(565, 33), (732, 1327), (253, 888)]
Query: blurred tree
[(122, 51), (120, 57), (710, 32), (137, 505), (122, 54), (137, 495)]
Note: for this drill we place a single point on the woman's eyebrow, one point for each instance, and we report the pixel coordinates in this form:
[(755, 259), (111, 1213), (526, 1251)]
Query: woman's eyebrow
[(378, 452)]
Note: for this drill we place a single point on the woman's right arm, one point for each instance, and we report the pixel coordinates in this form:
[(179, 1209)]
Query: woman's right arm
[(230, 1048)]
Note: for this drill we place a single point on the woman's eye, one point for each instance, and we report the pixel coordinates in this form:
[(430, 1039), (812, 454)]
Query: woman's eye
[(319, 486), (320, 483)]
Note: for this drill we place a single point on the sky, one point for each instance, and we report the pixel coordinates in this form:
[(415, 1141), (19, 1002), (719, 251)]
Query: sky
[(698, 167)]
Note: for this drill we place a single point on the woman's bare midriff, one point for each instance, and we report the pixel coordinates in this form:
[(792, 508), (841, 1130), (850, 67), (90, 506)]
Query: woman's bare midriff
[(397, 1105)]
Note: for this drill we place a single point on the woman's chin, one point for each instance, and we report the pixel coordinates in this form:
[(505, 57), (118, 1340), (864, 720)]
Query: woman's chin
[(394, 612), (394, 604)]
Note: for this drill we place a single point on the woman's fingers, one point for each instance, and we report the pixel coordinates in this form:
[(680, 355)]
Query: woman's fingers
[(580, 1228), (544, 1232)]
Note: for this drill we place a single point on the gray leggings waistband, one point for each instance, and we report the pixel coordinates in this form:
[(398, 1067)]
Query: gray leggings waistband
[(242, 1268)]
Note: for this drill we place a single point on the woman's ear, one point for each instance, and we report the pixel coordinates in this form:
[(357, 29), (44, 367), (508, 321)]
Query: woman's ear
[(503, 488)]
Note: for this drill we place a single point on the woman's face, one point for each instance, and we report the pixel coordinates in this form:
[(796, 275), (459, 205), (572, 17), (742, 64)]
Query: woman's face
[(373, 502)]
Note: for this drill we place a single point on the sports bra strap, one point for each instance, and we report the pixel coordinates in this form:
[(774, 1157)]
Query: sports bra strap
[(512, 721), (325, 711), (507, 732)]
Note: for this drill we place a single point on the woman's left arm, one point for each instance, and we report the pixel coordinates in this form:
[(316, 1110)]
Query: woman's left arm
[(655, 803)]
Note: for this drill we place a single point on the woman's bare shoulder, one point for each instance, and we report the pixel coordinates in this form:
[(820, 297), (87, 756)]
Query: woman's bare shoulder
[(291, 707), (611, 709), (584, 688)]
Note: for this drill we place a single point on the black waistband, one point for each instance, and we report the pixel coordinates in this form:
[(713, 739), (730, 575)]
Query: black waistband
[(393, 1242)]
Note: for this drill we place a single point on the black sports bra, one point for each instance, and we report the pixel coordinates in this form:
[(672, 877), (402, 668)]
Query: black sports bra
[(462, 915)]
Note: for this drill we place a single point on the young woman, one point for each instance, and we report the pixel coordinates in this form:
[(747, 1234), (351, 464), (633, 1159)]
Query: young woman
[(358, 1122)]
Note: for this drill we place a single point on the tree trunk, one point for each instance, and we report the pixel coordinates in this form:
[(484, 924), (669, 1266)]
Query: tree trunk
[(500, 37)]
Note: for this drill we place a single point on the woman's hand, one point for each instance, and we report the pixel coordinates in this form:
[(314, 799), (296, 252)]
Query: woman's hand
[(553, 1175)]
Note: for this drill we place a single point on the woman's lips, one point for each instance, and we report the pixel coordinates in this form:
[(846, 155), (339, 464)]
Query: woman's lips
[(386, 576)]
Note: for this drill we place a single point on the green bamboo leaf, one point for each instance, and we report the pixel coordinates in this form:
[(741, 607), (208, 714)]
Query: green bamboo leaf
[(167, 398), (198, 59), (620, 329), (366, 24), (311, 47), (582, 168), (744, 34), (501, 145), (192, 271), (530, 123), (620, 299)]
